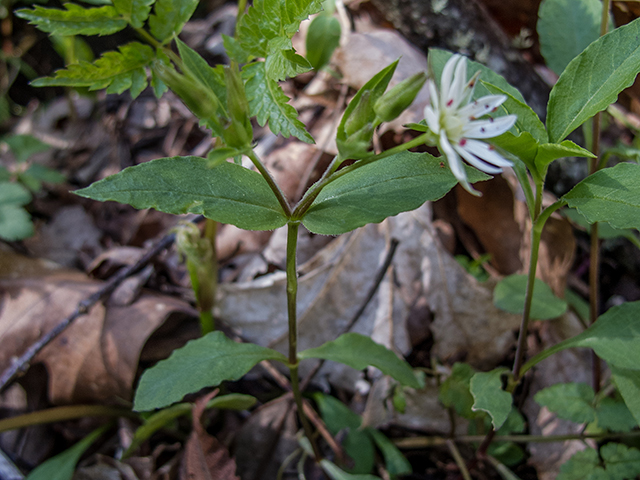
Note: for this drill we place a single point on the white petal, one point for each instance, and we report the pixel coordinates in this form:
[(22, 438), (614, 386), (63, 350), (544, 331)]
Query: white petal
[(447, 76), (489, 128), (433, 94), (455, 163), (459, 82), (486, 153), (469, 88), (432, 120), (475, 161), (482, 106)]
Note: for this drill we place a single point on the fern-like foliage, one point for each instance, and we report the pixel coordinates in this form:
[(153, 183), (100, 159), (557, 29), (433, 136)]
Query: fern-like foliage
[(135, 11)]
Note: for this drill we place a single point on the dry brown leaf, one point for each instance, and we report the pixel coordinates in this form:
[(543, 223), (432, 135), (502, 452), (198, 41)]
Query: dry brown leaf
[(96, 358), (205, 458)]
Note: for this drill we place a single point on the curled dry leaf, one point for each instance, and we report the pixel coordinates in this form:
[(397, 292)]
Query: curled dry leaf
[(96, 358)]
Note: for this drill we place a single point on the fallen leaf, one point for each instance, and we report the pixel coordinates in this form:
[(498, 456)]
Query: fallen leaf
[(96, 358)]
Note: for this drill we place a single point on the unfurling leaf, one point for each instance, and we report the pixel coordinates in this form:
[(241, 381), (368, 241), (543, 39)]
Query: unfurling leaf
[(75, 20), (358, 351), (227, 193), (204, 362), (115, 71)]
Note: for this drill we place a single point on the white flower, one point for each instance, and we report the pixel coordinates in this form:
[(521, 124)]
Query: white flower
[(452, 116)]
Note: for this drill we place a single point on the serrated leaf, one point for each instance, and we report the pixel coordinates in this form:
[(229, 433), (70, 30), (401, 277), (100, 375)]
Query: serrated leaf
[(571, 401), (75, 20), (323, 37), (115, 71), (486, 388), (285, 63), (611, 195), (614, 416), (268, 103), (455, 390), (509, 295), (336, 473), (628, 383), (373, 192), (169, 16), (136, 11), (621, 462), (615, 337), (23, 146), (15, 223), (592, 81), (205, 362), (583, 465), (394, 461), (269, 19), (358, 351), (62, 466), (566, 28), (227, 193)]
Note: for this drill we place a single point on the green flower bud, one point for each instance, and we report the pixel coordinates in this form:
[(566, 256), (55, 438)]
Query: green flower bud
[(360, 115), (239, 132), (398, 98)]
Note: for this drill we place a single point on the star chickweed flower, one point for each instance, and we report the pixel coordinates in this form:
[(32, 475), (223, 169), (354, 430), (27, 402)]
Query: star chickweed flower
[(454, 118)]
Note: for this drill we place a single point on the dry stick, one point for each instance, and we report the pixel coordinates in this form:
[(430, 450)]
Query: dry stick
[(374, 288), (21, 363)]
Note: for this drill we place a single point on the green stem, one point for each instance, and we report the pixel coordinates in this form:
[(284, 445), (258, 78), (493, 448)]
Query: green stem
[(152, 41), (271, 182), (292, 293), (332, 175), (59, 414)]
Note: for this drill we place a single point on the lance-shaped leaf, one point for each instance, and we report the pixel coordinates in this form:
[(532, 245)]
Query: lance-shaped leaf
[(136, 11), (75, 20), (378, 190), (269, 19), (611, 195), (115, 71), (227, 193), (593, 80), (205, 362), (615, 337), (268, 103), (359, 352), (486, 388), (170, 16)]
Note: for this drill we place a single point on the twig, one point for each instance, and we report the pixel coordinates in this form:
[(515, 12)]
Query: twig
[(372, 291), (455, 453), (20, 364)]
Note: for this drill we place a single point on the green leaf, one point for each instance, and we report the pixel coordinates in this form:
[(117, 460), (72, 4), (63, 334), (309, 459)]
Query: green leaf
[(13, 194), (605, 231), (23, 146), (455, 390), (394, 461), (169, 16), (486, 388), (323, 37), (613, 415), (571, 401), (380, 189), (523, 146), (549, 152), (43, 174), (269, 19), (227, 193), (115, 71), (136, 11), (336, 473), (583, 465), (283, 61), (205, 362), (615, 337), (628, 384), (75, 20), (509, 295), (621, 462), (359, 352), (593, 80), (15, 223), (566, 28), (611, 195), (269, 103), (62, 466)]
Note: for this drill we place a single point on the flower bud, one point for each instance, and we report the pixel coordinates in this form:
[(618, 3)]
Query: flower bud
[(239, 132), (360, 115), (398, 98)]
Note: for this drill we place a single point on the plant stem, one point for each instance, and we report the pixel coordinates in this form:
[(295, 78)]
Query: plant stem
[(292, 293), (331, 174), (271, 182), (155, 43)]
